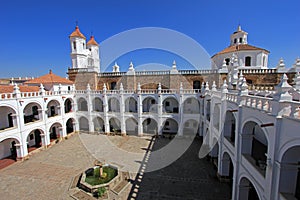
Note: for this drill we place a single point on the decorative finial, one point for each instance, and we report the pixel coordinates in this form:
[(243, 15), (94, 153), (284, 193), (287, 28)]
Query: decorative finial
[(174, 65), (159, 86), (50, 71), (214, 87), (239, 28), (282, 90), (224, 87), (297, 81), (131, 68), (244, 87), (206, 86)]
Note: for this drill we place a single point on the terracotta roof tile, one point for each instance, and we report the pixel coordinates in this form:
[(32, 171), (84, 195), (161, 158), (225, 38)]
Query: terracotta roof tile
[(240, 47), (50, 79), (77, 33), (92, 41), (23, 88)]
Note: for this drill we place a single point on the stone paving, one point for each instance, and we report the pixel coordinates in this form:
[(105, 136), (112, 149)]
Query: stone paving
[(48, 174)]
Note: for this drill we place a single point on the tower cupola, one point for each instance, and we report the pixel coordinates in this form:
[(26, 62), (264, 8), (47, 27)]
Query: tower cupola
[(77, 33), (238, 37), (92, 41)]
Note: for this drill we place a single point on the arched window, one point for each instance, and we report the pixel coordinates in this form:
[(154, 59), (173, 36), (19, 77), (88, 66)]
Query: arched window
[(196, 85), (74, 45), (264, 61), (227, 60), (241, 40), (113, 85), (234, 40), (248, 61)]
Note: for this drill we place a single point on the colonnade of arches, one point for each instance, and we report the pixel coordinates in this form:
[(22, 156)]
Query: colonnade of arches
[(254, 147), (11, 147), (149, 126), (149, 104), (32, 112)]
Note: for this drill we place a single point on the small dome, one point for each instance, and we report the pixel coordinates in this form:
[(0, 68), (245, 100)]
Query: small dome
[(92, 41), (77, 33)]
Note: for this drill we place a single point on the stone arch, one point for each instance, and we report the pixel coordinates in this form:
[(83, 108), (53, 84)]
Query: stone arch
[(34, 139), (149, 104), (69, 105), (227, 168), (150, 126), (190, 127), (8, 117), (114, 125), (216, 116), (97, 104), (32, 112), (9, 149), (289, 178), (99, 125), (70, 125), (82, 104), (170, 126), (170, 105), (53, 108), (247, 190), (230, 127), (83, 124), (113, 105), (255, 144), (131, 126), (55, 131), (191, 106), (131, 105)]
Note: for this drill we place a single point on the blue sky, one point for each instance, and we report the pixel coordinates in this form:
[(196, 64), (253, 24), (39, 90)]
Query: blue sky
[(34, 34)]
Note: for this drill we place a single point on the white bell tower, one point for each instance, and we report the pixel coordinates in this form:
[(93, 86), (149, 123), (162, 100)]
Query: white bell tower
[(78, 49), (93, 58)]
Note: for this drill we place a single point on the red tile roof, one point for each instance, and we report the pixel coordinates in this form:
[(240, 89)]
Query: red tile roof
[(77, 33), (23, 88), (50, 79), (92, 41), (240, 47)]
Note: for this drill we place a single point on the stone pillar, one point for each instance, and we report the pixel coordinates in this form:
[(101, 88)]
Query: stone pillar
[(181, 114), (105, 110), (21, 151), (90, 108), (159, 111), (44, 140), (122, 110), (140, 110)]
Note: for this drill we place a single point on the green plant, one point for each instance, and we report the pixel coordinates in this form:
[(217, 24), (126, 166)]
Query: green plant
[(95, 180), (101, 191)]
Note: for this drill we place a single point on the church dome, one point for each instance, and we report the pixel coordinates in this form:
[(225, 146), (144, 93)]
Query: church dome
[(92, 41), (77, 33)]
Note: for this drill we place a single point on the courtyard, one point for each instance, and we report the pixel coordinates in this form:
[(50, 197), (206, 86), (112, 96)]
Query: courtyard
[(48, 174)]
